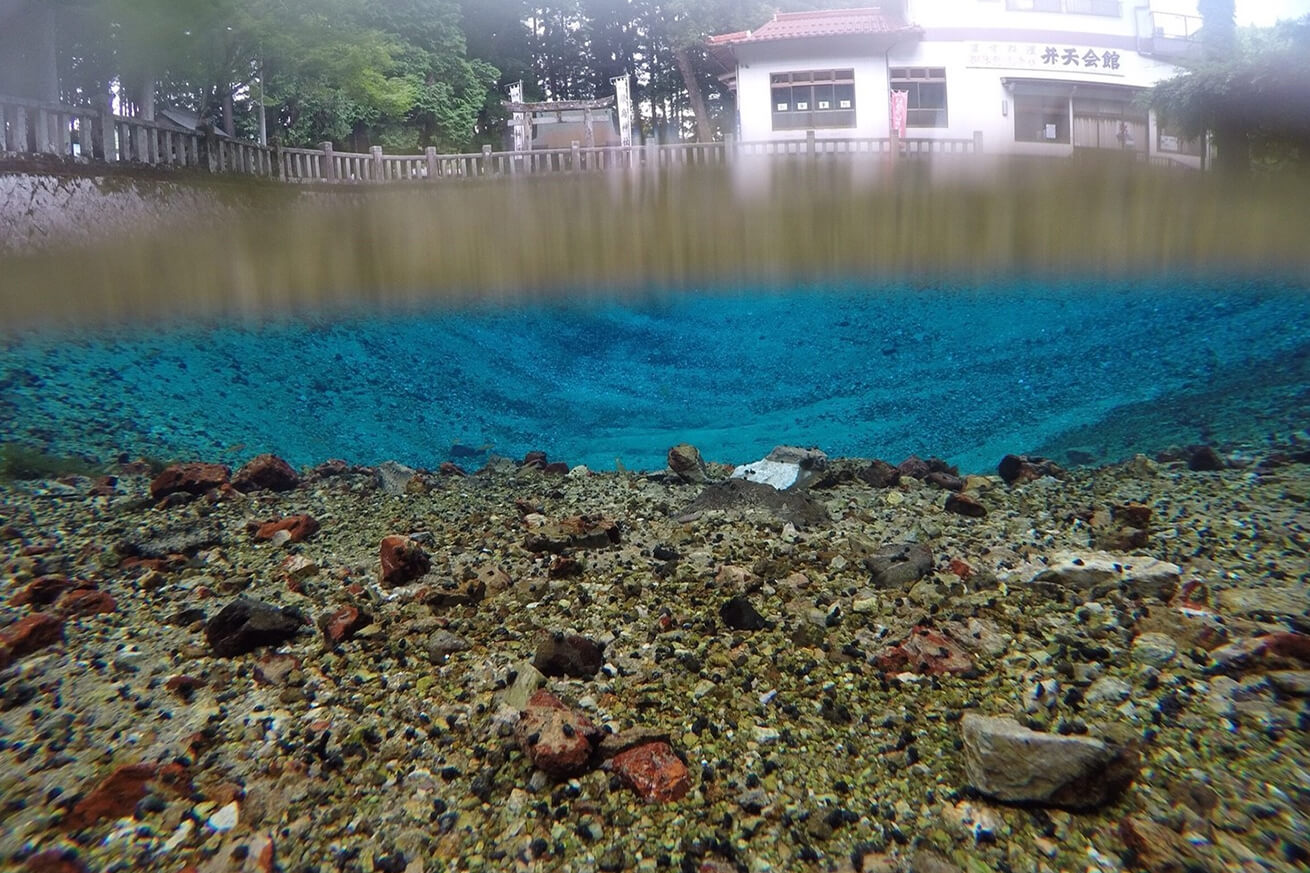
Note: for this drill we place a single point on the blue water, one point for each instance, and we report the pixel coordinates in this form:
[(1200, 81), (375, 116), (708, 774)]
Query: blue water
[(966, 374)]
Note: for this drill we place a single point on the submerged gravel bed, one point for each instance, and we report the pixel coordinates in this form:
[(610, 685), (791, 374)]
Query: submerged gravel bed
[(811, 666)]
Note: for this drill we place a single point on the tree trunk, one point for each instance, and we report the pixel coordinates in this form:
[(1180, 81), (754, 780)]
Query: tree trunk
[(689, 81), (1232, 150), (229, 123)]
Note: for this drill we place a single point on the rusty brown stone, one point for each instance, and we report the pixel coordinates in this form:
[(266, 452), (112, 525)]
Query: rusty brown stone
[(193, 478), (114, 797), (402, 560), (654, 772)]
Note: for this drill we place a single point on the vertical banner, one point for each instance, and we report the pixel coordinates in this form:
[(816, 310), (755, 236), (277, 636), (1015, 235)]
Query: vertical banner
[(623, 104), (520, 122), (900, 108)]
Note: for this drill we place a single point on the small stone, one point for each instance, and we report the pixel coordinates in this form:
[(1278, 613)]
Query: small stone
[(899, 566), (339, 626), (267, 472), (194, 478), (527, 680), (1156, 649), (115, 796), (1203, 459), (1018, 469), (577, 532), (246, 624), (402, 560), (1160, 850), (442, 643), (298, 528), (560, 654), (927, 652), (739, 614), (556, 739), (654, 772), (224, 819), (1107, 689), (393, 478), (84, 602), (1009, 762)]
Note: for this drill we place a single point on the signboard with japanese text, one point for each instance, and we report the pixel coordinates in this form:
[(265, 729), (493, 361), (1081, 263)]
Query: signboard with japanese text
[(623, 104), (1041, 56), (521, 137)]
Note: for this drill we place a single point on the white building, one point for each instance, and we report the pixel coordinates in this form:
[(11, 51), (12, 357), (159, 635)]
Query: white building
[(1041, 77)]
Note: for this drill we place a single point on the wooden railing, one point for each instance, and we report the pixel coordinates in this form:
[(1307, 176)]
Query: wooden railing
[(29, 127)]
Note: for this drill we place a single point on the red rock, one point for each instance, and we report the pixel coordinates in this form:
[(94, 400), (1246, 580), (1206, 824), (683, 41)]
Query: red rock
[(267, 472), (174, 776), (654, 772), (343, 624), (301, 528), (1159, 849), (184, 686), (448, 468), (55, 861), (556, 739), (195, 478), (86, 601), (556, 467), (1136, 515), (42, 591), (334, 467), (104, 486), (403, 560), (963, 504), (534, 459), (116, 796), (564, 567), (28, 635), (926, 651), (961, 569), (1283, 650)]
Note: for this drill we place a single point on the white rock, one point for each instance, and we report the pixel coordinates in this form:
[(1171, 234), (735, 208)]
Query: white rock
[(1108, 689), (224, 819), (1143, 576), (778, 475), (1156, 649)]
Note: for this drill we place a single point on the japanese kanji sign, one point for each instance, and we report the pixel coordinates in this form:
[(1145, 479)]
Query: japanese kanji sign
[(1037, 56)]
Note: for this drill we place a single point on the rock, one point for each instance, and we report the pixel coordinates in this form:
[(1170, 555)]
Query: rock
[(1156, 649), (557, 740), (653, 771), (224, 818), (739, 614), (86, 601), (879, 474), (267, 472), (343, 624), (1008, 762), (299, 527), (611, 744), (393, 478), (1107, 689), (1102, 572), (43, 591), (527, 679), (1158, 849), (754, 498), (246, 624), (736, 578), (925, 651), (65, 860), (441, 643), (577, 532), (784, 467), (450, 593), (115, 796), (182, 541), (899, 566), (194, 478), (1136, 515), (1265, 603), (1018, 469), (945, 481), (1294, 683), (29, 634), (402, 560), (560, 654), (963, 504), (1276, 651), (686, 463), (1203, 459)]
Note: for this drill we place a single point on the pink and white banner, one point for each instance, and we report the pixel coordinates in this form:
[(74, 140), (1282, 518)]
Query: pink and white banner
[(900, 105)]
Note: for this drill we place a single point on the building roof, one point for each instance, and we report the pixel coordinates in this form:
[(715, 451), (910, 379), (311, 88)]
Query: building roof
[(808, 25)]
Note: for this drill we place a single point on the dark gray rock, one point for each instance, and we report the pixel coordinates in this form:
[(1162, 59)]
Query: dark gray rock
[(739, 614), (246, 624), (560, 654), (899, 565), (1008, 762), (184, 541), (754, 498)]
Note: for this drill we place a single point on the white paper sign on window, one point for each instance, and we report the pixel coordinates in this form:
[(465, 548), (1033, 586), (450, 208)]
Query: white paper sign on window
[(782, 107), (802, 106), (1050, 131), (845, 104)]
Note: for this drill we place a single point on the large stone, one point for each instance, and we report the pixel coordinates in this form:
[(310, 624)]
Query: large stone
[(653, 771), (899, 565), (393, 478), (1008, 762), (246, 624), (298, 528), (686, 463), (925, 651), (401, 560), (754, 498), (1102, 572), (115, 796), (1267, 603), (560, 654), (267, 472), (1018, 469), (784, 467), (29, 634), (194, 478), (577, 532), (556, 739)]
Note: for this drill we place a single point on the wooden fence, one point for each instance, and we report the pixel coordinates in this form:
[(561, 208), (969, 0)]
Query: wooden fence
[(29, 127)]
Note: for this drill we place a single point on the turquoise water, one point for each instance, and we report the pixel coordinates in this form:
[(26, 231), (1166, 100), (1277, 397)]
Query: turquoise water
[(966, 374)]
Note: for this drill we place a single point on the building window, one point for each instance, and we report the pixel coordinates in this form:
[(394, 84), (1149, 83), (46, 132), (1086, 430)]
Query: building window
[(813, 99), (1041, 119), (1108, 8), (927, 89)]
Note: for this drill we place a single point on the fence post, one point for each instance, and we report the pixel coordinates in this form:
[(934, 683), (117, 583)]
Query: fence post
[(977, 142), (810, 145), (652, 155), (486, 160), (729, 148), (431, 154), (20, 128), (576, 148), (379, 168), (329, 165)]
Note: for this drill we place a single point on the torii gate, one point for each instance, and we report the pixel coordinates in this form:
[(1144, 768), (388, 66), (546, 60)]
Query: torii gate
[(525, 112)]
